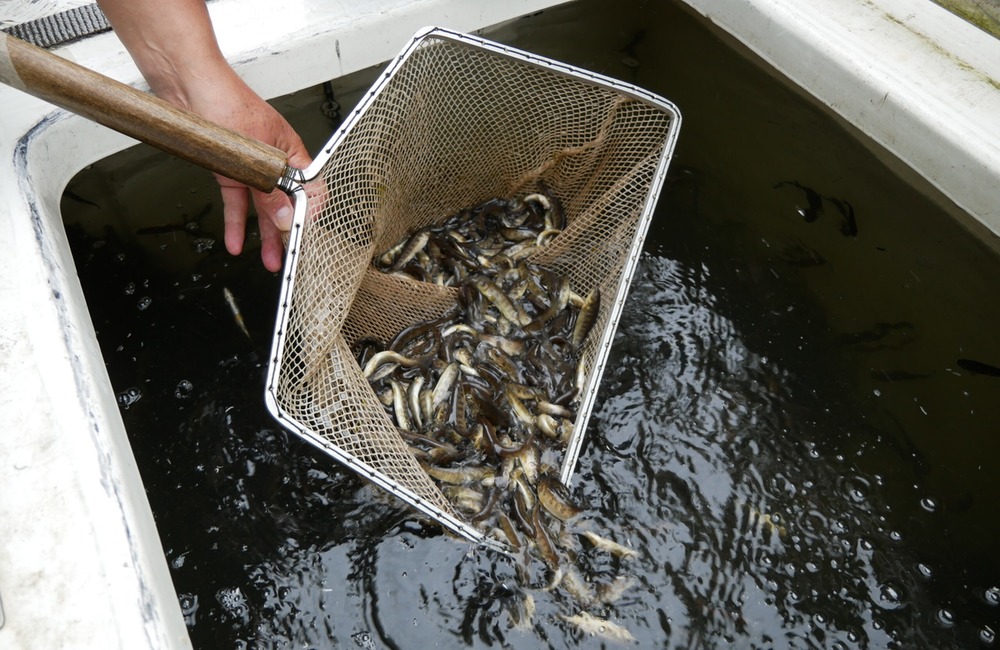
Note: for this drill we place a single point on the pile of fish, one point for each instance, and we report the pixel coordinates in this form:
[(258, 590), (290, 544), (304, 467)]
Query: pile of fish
[(486, 395)]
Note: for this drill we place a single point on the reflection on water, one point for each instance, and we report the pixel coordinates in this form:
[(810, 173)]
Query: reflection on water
[(784, 431)]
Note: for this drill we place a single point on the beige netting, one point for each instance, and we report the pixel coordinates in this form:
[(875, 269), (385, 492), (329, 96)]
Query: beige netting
[(454, 122)]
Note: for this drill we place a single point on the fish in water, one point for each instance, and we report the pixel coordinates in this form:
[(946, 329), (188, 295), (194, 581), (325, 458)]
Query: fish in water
[(880, 336), (599, 627), (231, 301), (814, 207), (978, 367)]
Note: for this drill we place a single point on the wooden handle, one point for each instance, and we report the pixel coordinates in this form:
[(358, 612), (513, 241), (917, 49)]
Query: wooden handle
[(140, 115)]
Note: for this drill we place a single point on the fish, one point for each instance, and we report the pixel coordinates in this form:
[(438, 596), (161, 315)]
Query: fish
[(552, 494), (400, 407), (387, 356), (599, 627), (609, 546), (978, 367), (608, 593), (523, 612), (577, 587), (545, 546), (459, 475), (813, 199), (237, 316), (587, 317)]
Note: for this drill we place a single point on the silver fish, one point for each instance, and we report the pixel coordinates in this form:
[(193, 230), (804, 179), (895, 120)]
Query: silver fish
[(237, 316), (599, 627)]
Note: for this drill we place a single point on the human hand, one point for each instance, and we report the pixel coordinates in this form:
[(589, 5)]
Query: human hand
[(178, 54), (229, 102)]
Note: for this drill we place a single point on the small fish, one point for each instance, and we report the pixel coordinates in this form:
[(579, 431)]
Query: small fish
[(231, 301), (522, 612), (599, 627), (577, 587), (400, 407), (413, 400), (500, 300), (897, 375), (545, 545), (978, 367), (587, 317), (387, 356), (459, 475), (609, 546), (554, 498), (813, 198), (610, 592)]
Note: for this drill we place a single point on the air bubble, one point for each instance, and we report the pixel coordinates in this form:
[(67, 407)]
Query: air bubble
[(184, 389), (928, 504), (144, 303), (924, 571), (992, 596), (129, 288), (202, 244), (890, 596), (128, 397), (945, 618), (987, 635), (189, 607)]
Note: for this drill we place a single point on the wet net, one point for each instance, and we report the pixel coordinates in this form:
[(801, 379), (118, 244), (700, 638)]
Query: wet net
[(453, 122)]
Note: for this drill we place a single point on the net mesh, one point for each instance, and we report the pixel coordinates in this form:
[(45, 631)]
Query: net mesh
[(453, 124)]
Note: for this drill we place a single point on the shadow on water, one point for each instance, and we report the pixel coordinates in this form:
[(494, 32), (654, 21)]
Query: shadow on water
[(784, 431)]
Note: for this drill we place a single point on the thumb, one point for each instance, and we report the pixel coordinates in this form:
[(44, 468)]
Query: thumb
[(276, 207)]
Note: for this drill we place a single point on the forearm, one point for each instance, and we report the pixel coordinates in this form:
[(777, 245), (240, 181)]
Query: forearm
[(173, 44)]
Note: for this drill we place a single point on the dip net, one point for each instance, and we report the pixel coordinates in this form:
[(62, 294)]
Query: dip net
[(453, 122)]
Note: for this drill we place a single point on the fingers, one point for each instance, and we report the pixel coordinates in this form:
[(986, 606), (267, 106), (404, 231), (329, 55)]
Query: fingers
[(235, 201), (272, 247)]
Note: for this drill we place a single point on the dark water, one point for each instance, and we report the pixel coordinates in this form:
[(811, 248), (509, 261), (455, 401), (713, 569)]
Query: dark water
[(798, 428)]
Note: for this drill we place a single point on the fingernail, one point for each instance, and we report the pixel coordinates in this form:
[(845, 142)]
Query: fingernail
[(284, 217)]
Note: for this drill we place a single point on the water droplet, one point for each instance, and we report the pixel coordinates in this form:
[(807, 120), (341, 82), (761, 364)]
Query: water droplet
[(865, 544), (144, 303), (895, 535), (946, 618), (202, 244), (128, 397), (184, 389), (928, 504), (987, 635), (877, 392), (924, 571), (890, 596), (855, 488)]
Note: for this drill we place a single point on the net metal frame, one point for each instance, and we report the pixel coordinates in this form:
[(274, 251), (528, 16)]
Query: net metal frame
[(453, 121)]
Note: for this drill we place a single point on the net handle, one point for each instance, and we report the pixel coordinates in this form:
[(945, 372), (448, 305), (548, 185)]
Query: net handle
[(141, 115)]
